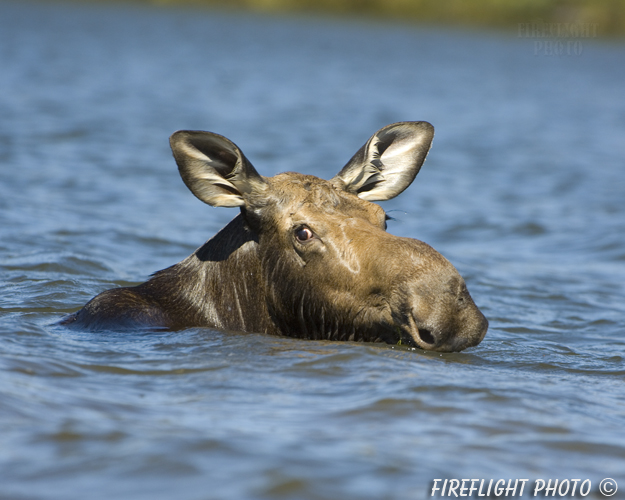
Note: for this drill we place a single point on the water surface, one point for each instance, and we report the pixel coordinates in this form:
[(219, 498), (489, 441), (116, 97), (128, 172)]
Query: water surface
[(524, 191)]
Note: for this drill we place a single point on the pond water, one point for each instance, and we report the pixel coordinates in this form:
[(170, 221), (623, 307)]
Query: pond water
[(524, 191)]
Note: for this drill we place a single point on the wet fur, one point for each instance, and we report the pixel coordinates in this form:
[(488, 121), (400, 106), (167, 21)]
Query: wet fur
[(349, 280)]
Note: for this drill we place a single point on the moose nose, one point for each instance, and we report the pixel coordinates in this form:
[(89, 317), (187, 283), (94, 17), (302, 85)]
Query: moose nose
[(471, 332), (423, 336), (426, 336), (466, 330)]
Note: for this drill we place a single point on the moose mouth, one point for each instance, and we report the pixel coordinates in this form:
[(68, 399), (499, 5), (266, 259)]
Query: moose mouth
[(448, 338)]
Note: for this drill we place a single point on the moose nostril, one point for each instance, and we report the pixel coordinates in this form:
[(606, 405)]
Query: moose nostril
[(426, 336)]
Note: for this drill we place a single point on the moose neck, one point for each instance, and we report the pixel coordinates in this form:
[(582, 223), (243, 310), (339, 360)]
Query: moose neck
[(219, 285)]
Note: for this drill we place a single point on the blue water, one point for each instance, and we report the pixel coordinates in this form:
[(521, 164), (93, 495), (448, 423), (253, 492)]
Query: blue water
[(524, 191)]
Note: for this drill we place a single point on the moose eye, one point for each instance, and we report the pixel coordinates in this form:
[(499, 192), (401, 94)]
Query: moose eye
[(303, 234)]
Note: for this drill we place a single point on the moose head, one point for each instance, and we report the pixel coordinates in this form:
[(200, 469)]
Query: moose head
[(305, 257)]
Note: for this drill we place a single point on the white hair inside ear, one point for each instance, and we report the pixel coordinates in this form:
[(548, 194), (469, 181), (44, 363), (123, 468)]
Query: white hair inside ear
[(214, 168), (388, 162)]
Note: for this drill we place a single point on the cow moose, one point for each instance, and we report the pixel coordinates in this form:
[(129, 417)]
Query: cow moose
[(305, 257)]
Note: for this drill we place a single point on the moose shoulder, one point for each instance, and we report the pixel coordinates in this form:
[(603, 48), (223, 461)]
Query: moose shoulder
[(305, 257)]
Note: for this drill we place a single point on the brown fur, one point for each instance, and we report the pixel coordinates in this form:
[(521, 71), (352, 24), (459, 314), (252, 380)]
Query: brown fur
[(351, 280)]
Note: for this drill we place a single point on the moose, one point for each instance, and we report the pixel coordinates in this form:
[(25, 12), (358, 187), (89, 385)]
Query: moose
[(305, 257)]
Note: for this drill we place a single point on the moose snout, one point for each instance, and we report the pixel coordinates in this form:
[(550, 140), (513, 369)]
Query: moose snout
[(444, 322), (450, 336)]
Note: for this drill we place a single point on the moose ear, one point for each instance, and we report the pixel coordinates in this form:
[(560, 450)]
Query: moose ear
[(214, 168), (389, 161)]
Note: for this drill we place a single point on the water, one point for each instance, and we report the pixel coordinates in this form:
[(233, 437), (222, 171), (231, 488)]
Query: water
[(523, 191)]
